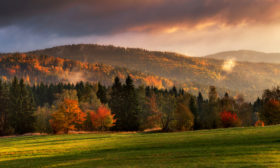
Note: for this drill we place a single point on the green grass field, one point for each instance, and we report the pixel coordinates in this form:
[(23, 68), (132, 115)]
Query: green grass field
[(236, 147)]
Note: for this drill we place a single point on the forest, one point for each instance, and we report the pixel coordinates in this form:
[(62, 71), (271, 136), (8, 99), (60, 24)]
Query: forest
[(64, 107)]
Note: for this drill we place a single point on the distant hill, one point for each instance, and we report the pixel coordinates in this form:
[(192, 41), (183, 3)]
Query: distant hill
[(35, 69), (247, 56), (195, 73)]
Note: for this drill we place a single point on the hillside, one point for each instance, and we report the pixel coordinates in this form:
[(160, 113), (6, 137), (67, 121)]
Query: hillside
[(247, 78), (235, 147), (35, 69), (247, 56)]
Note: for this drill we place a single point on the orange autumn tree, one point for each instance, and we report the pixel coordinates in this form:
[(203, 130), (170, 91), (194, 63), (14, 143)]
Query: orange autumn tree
[(102, 119), (153, 120), (67, 117)]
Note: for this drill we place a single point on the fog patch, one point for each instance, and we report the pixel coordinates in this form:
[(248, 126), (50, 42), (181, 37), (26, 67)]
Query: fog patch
[(228, 65), (74, 77)]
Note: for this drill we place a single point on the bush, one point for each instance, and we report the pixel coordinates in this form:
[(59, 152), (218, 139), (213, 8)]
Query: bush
[(259, 123), (229, 119)]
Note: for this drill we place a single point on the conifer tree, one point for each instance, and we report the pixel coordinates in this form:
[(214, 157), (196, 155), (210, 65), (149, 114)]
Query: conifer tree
[(200, 111), (102, 94), (22, 108), (194, 111), (213, 118), (130, 116), (116, 103), (4, 109)]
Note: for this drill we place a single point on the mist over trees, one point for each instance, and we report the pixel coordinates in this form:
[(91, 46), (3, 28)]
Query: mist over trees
[(65, 107)]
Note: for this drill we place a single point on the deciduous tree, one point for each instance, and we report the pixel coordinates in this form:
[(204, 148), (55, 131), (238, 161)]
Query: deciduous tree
[(183, 117), (102, 119), (67, 117)]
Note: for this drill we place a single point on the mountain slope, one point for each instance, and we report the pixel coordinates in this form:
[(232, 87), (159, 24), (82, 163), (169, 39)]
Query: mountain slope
[(247, 56), (35, 69), (246, 78)]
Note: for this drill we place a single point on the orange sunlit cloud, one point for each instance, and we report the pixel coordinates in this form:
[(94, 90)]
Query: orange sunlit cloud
[(193, 27)]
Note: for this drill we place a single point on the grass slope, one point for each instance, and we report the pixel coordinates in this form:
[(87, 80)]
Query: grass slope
[(237, 147)]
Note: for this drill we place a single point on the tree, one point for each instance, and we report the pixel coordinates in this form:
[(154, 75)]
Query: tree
[(5, 127), (270, 113), (130, 114), (43, 116), (102, 94), (229, 119), (143, 109), (22, 108), (116, 102), (183, 117), (257, 106), (211, 116), (194, 110), (200, 111), (167, 106), (174, 91), (244, 111), (102, 119), (154, 117), (66, 94), (227, 103), (89, 102), (67, 117)]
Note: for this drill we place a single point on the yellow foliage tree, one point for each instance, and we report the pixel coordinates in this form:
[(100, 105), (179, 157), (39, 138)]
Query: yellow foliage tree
[(67, 117), (102, 119)]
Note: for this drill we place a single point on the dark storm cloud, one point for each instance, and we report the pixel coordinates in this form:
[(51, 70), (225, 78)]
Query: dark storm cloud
[(84, 17)]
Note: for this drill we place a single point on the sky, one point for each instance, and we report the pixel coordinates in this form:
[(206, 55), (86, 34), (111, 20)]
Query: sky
[(191, 27)]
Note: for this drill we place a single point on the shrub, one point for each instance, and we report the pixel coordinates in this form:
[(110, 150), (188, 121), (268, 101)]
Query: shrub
[(229, 119), (259, 123)]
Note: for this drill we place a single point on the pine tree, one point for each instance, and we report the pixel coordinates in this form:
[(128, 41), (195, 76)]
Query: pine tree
[(4, 109), (102, 94), (143, 112), (213, 109), (194, 111), (200, 111), (116, 103), (130, 116), (22, 108)]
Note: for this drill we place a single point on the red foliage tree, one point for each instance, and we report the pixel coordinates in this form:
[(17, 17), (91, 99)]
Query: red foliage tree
[(229, 119), (102, 119)]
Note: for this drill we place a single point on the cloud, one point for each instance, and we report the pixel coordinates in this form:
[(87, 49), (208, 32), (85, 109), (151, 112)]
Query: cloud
[(74, 18)]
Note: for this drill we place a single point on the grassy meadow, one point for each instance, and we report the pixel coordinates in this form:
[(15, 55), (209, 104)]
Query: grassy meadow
[(234, 147)]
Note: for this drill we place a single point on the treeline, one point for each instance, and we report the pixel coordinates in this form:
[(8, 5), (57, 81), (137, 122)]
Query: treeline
[(60, 108)]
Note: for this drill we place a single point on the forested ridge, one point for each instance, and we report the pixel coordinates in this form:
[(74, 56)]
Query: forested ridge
[(35, 69), (194, 73)]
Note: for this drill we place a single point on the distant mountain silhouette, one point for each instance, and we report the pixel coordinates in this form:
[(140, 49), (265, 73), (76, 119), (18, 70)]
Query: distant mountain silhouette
[(247, 56)]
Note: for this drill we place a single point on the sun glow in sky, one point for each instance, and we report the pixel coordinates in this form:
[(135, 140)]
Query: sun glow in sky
[(191, 27)]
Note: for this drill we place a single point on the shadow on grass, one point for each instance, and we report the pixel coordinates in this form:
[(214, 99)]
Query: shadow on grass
[(136, 154)]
